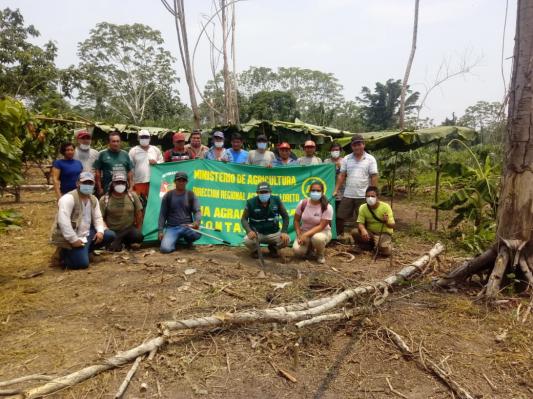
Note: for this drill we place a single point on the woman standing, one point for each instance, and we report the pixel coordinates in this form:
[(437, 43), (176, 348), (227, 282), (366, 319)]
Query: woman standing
[(312, 222), (65, 172)]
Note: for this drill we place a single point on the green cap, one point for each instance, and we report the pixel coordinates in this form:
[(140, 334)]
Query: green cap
[(264, 186)]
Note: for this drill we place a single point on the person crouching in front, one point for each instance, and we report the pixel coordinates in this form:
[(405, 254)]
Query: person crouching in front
[(79, 227), (312, 221), (180, 216), (260, 219), (123, 213)]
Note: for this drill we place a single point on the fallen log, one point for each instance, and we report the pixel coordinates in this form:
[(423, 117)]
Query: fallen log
[(470, 267), (129, 376), (429, 365), (347, 314)]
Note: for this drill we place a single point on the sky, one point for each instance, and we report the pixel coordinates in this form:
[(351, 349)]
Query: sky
[(360, 41)]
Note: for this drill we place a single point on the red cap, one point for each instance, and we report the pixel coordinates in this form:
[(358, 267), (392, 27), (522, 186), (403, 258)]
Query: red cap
[(284, 145), (83, 134), (309, 143), (178, 136)]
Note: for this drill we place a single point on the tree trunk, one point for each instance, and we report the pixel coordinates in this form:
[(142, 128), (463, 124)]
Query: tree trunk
[(408, 68)]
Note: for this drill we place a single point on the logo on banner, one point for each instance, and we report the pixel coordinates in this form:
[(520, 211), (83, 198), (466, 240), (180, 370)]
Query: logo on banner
[(307, 182)]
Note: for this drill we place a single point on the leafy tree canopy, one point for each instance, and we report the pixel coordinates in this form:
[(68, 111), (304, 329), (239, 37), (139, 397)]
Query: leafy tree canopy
[(272, 105), (487, 118)]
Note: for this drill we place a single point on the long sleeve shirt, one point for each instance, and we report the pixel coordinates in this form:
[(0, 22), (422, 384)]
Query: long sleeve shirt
[(178, 209), (89, 216)]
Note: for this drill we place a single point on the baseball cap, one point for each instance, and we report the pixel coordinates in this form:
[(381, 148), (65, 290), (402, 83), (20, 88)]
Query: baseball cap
[(218, 134), (86, 176), (178, 136), (83, 134), (119, 176), (264, 186), (309, 143), (181, 175), (357, 138), (285, 145), (262, 137), (143, 133)]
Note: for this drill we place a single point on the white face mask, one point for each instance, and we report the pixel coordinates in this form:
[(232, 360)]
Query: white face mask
[(371, 201), (219, 144), (261, 146), (85, 147), (144, 142), (335, 154), (120, 188)]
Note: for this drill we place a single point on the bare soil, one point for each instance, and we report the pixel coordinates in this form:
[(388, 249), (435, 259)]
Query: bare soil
[(60, 321)]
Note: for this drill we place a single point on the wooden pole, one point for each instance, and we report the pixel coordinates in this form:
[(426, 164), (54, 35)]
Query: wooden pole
[(437, 185), (409, 175), (393, 179)]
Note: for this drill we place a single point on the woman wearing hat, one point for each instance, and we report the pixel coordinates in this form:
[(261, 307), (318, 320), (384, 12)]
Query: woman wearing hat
[(312, 221)]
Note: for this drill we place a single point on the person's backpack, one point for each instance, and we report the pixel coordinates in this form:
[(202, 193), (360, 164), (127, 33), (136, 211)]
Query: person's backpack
[(189, 199), (106, 201)]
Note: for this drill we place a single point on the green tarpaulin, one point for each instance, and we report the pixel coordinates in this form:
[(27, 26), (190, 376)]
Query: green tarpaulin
[(222, 189)]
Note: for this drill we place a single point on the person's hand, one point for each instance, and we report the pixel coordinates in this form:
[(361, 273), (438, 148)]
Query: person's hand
[(386, 218), (251, 235), (301, 238), (98, 237), (269, 165), (152, 161), (77, 244), (195, 225), (365, 236), (160, 236), (284, 238), (334, 193)]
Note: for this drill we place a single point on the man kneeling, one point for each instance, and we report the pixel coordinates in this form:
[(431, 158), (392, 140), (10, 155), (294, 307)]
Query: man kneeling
[(375, 224), (79, 227), (179, 216), (260, 219)]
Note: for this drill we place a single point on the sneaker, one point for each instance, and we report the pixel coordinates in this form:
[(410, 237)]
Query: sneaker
[(321, 259)]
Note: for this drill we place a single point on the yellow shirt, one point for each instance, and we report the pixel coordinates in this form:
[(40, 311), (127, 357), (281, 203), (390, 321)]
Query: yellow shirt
[(372, 225)]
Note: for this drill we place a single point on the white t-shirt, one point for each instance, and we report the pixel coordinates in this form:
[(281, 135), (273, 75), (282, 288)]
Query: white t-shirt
[(313, 214), (86, 158), (141, 167), (358, 174), (261, 159)]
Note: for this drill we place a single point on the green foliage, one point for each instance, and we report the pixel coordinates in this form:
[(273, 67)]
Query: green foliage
[(13, 121), (272, 105), (381, 108), (126, 73), (9, 220), (486, 117)]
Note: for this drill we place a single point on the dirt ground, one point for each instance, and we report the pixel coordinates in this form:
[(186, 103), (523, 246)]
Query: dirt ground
[(59, 321)]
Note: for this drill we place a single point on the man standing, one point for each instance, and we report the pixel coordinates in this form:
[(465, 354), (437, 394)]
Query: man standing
[(179, 216), (261, 156), (237, 153), (79, 227), (375, 224), (83, 152), (309, 158), (217, 152), (285, 157), (196, 148), (112, 160), (358, 170), (178, 152), (142, 156), (260, 219)]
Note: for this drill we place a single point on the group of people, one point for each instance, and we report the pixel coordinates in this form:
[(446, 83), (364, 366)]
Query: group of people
[(101, 196)]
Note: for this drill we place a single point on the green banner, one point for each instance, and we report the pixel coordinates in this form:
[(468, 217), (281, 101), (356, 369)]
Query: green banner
[(223, 188)]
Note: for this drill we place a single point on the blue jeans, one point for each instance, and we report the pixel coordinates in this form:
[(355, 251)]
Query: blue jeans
[(78, 258), (173, 234)]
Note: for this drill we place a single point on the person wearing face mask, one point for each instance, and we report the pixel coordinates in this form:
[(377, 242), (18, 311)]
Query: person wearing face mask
[(84, 153), (112, 160), (122, 213), (312, 223), (217, 152), (375, 224), (310, 158), (358, 170), (260, 220), (66, 171), (285, 156), (196, 148), (142, 156), (178, 152), (79, 227), (261, 156), (238, 154), (335, 158)]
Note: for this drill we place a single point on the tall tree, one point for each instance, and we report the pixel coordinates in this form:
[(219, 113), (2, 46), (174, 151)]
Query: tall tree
[(177, 9), (408, 68), (487, 118), (272, 105), (380, 108), (123, 68)]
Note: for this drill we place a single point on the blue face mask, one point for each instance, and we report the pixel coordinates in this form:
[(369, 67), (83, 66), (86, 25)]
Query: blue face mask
[(315, 195), (86, 189), (261, 146), (264, 197)]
